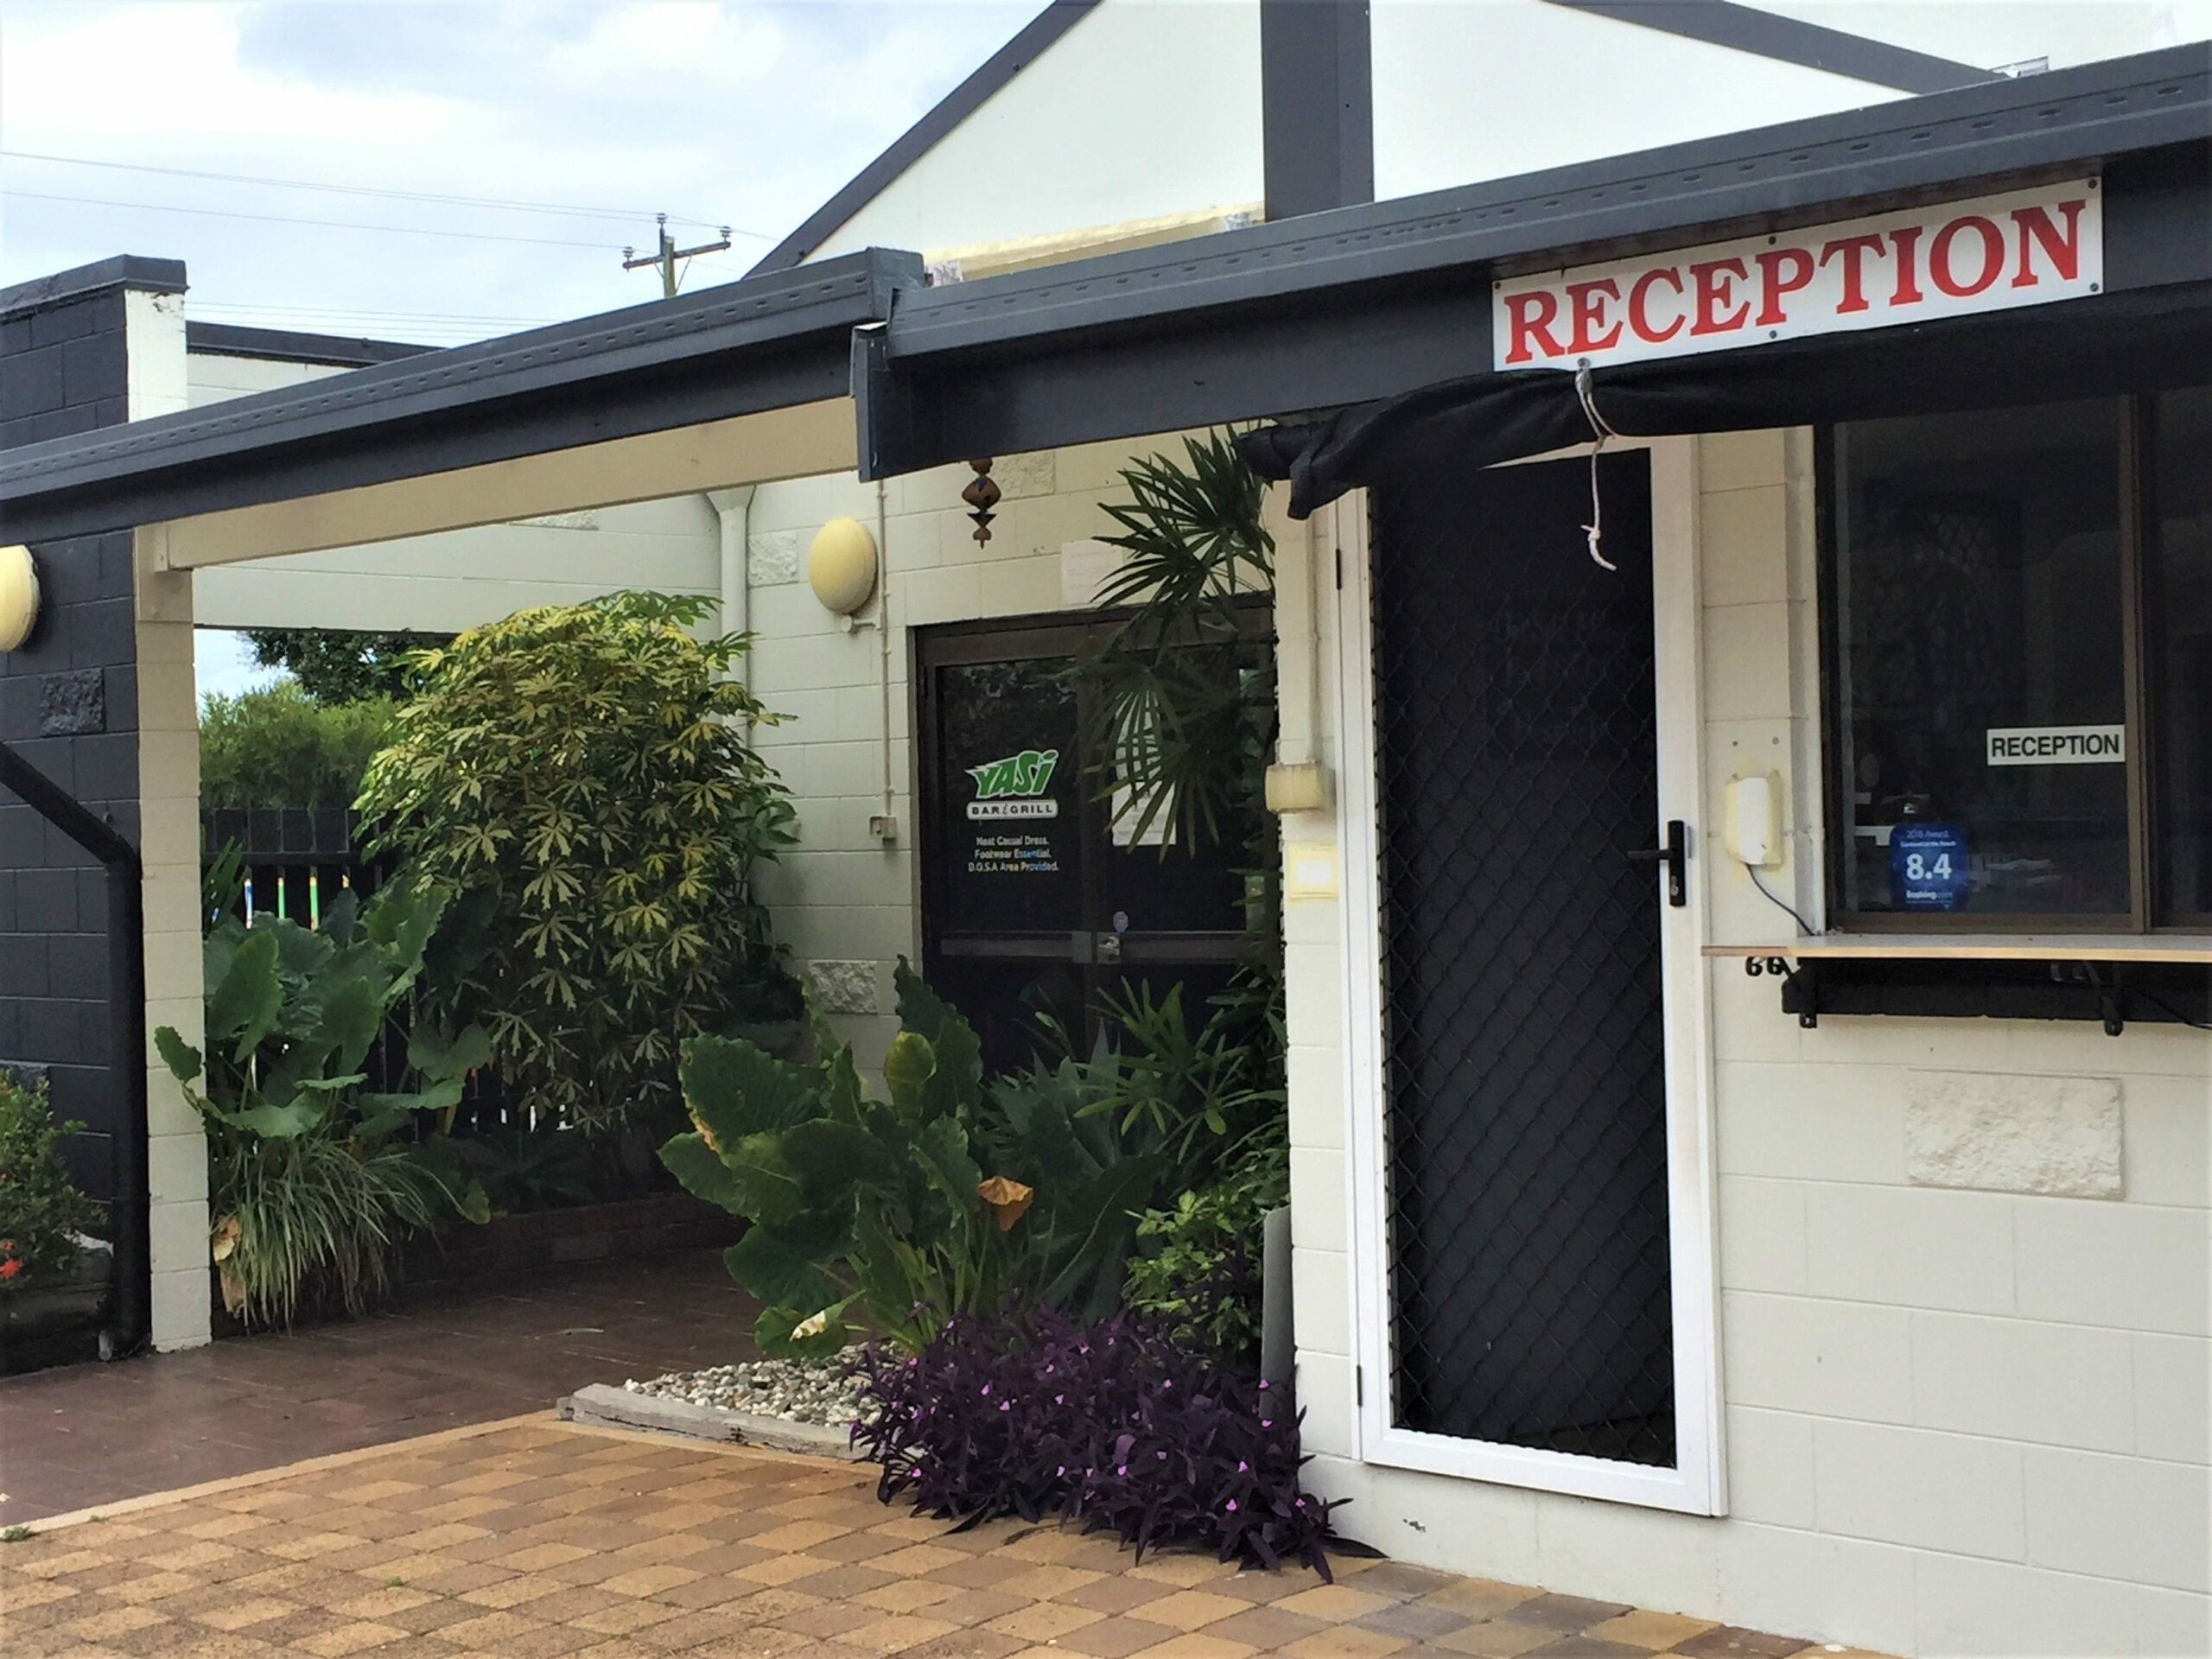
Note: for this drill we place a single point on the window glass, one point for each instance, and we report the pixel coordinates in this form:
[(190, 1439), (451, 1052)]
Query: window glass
[(1980, 685), (2177, 639)]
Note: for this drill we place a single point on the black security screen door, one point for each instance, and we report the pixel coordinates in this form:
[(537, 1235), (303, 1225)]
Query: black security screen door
[(1527, 1107), (1032, 902)]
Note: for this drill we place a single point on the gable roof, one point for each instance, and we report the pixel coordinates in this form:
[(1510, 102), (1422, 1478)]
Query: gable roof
[(1035, 38), (1747, 28)]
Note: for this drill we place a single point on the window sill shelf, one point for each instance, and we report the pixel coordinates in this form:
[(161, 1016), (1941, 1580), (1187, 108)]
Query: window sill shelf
[(2180, 948)]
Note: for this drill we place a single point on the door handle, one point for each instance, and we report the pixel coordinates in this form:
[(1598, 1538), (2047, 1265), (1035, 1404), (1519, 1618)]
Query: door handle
[(1674, 855)]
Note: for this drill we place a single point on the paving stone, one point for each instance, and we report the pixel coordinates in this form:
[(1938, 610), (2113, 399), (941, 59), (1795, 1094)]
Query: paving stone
[(541, 1540), (1728, 1642), (1566, 1614)]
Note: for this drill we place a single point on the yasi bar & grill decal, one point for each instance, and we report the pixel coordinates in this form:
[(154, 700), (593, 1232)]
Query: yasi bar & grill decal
[(1014, 787)]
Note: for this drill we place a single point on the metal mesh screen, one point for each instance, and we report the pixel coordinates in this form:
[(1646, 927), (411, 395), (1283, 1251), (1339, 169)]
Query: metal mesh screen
[(1527, 1115)]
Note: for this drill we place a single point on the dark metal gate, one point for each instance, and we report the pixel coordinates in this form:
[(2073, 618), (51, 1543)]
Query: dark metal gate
[(1525, 1022)]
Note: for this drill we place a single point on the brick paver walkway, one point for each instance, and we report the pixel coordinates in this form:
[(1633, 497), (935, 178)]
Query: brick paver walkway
[(534, 1538), (446, 1356)]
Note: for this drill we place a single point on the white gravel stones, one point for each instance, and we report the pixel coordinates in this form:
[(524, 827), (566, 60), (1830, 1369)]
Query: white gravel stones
[(798, 1391)]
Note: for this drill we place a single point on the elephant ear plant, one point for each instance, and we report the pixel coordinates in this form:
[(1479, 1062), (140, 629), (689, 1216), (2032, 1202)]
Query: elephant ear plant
[(313, 1178), (895, 1215)]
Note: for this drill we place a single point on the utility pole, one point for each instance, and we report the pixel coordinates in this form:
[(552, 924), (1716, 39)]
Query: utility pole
[(668, 254)]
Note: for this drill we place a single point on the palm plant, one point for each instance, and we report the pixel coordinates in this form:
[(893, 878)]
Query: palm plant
[(1183, 698), (1185, 712)]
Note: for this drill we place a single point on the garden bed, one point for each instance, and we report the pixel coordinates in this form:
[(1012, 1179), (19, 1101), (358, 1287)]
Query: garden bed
[(521, 1247), (627, 1229)]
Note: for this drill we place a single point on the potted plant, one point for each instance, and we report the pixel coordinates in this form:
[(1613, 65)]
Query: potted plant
[(52, 1272)]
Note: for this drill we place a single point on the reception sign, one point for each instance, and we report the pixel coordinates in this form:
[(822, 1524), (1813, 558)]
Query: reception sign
[(1992, 253)]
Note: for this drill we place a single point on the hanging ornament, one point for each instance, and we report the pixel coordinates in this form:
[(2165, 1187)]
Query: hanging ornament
[(982, 495)]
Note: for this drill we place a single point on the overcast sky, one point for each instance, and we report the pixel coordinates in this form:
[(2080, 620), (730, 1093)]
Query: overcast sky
[(745, 112)]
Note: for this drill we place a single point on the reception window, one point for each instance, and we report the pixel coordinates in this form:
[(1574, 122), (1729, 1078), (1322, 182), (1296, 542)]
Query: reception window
[(2020, 665)]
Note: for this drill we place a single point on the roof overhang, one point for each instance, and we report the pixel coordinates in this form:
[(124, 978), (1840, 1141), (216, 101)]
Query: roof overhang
[(770, 343), (1334, 309), (1373, 302)]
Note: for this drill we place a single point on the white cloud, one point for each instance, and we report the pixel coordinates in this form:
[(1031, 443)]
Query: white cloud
[(746, 112)]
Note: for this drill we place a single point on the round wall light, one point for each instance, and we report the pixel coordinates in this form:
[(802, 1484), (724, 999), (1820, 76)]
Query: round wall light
[(841, 565), (18, 596)]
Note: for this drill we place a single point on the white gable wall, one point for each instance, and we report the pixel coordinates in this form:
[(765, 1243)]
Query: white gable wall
[(1465, 93), (443, 583), (1144, 109), (1468, 93), (1993, 32)]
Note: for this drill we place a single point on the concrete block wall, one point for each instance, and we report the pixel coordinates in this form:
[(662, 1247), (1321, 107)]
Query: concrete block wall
[(69, 699), (845, 902), (1965, 1266)]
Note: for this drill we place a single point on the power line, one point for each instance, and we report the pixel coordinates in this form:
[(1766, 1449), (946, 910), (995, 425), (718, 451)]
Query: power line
[(199, 306), (505, 203), (289, 218)]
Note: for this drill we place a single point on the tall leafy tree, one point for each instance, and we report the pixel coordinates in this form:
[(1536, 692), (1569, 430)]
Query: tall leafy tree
[(583, 777), (340, 665)]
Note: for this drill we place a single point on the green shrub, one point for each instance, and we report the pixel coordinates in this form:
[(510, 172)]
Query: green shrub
[(310, 1222), (41, 1209), (944, 1200), (584, 773), (1203, 1273), (1199, 1095), (337, 665), (312, 1180), (278, 748), (526, 1170)]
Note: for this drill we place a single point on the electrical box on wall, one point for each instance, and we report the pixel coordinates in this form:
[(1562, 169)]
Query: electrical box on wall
[(1752, 827)]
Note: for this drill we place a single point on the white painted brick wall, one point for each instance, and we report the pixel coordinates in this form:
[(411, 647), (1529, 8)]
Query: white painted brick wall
[(1956, 1421), (842, 895)]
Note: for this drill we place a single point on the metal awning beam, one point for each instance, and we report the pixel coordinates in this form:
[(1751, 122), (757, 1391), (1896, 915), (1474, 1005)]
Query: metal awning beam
[(798, 442)]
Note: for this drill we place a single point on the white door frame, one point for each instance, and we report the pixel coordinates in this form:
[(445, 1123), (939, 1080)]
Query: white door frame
[(1697, 1484)]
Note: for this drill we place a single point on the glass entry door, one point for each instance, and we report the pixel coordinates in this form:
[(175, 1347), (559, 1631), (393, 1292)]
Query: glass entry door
[(1037, 900)]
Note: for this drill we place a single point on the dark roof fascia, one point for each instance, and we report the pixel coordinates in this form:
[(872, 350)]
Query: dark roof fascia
[(1790, 39), (2078, 116), (287, 346), (131, 272), (763, 343), (1035, 37), (1372, 302)]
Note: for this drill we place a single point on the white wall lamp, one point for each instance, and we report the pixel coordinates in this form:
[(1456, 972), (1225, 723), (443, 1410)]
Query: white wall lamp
[(18, 596), (841, 566)]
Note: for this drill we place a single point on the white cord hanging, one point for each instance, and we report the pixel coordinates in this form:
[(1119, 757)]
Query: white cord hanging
[(1600, 432)]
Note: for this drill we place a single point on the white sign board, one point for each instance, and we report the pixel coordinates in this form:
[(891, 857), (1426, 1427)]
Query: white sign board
[(1085, 566), (2057, 746), (1992, 253)]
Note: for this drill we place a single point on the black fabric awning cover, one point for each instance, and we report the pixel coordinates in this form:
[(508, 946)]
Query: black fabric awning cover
[(2113, 344)]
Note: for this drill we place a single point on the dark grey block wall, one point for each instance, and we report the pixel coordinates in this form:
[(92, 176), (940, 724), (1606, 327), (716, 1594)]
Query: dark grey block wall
[(69, 705)]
